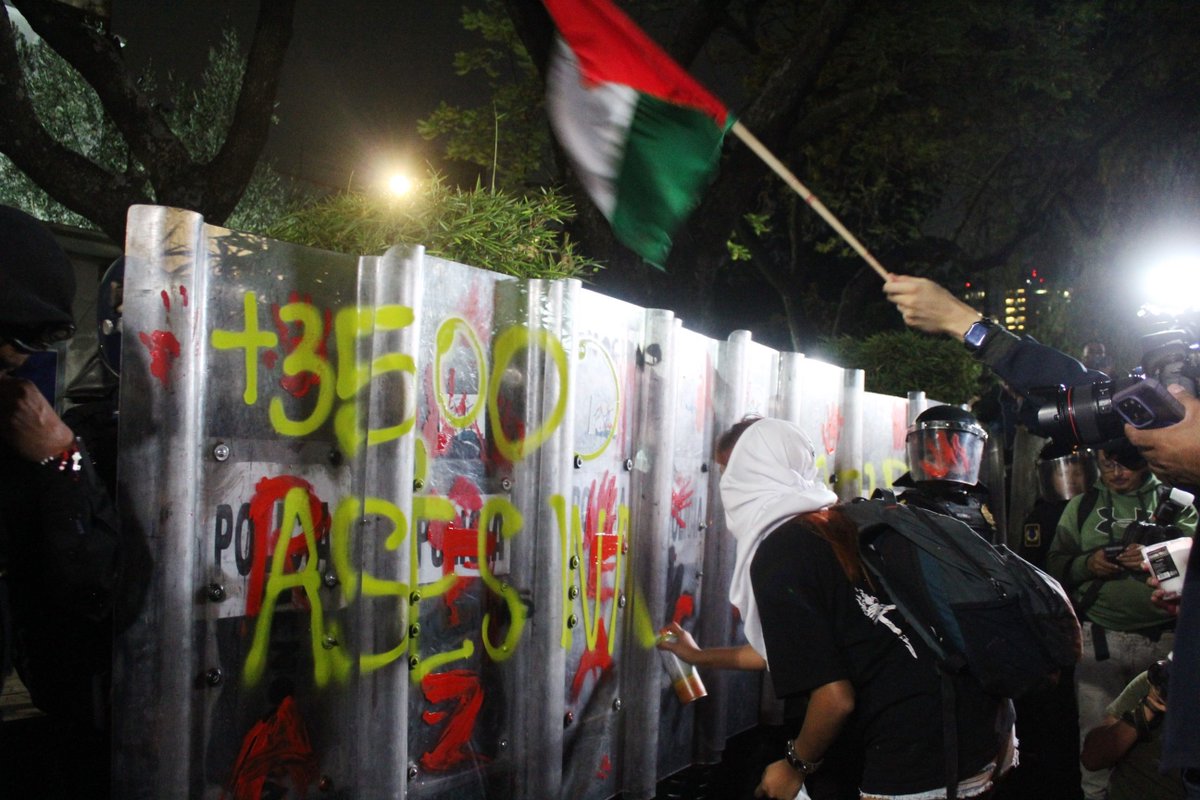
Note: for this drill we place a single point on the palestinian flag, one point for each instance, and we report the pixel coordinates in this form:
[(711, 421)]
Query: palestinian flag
[(642, 135)]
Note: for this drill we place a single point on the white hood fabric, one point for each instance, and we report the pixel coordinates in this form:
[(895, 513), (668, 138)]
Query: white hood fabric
[(770, 478)]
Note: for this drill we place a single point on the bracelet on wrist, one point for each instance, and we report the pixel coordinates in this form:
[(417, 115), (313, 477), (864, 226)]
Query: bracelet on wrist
[(68, 460), (799, 764)]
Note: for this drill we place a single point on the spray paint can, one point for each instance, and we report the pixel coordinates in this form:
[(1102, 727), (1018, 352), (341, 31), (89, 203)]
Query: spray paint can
[(1168, 563), (685, 680)]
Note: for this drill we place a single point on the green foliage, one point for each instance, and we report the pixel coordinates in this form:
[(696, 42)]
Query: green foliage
[(508, 137), (515, 235), (71, 112), (898, 362)]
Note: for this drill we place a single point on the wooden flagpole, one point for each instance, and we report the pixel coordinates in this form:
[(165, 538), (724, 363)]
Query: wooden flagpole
[(799, 188)]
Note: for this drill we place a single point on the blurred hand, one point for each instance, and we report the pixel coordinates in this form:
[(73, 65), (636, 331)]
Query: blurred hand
[(1131, 558), (779, 781), (1099, 565), (1155, 702), (1159, 599), (1173, 452), (679, 642), (928, 307), (28, 424)]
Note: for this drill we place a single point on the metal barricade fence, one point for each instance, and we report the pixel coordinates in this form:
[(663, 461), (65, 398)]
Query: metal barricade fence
[(414, 525)]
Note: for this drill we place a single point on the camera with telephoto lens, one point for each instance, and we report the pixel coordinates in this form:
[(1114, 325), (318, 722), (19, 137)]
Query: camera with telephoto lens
[(1093, 413), (1159, 675)]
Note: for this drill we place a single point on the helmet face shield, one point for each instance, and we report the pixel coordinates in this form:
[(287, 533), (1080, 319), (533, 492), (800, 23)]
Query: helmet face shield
[(1066, 476), (945, 450)]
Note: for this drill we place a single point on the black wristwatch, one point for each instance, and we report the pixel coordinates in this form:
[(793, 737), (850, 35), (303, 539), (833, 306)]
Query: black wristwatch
[(978, 333), (799, 764)]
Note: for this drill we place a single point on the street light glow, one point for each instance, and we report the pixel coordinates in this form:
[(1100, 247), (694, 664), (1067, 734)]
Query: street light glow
[(400, 184), (1171, 280)]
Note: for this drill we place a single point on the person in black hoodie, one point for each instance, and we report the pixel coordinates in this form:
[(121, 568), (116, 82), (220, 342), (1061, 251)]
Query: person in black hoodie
[(58, 541)]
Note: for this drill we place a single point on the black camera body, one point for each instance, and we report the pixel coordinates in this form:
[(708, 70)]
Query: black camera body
[(1093, 413)]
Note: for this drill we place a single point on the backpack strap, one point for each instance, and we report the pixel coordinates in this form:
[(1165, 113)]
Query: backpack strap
[(886, 495), (1082, 512), (1086, 504), (949, 734)]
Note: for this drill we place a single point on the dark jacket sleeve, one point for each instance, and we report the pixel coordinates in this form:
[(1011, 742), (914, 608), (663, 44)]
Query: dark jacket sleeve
[(1033, 370), (70, 545)]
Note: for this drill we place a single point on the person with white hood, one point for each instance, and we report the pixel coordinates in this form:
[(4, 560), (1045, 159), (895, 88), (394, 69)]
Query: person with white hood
[(827, 632)]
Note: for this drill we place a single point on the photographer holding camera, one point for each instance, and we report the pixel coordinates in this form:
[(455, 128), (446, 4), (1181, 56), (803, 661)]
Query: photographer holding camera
[(1129, 740), (1174, 453), (1097, 555)]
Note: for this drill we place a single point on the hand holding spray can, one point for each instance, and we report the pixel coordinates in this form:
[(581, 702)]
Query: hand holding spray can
[(1167, 561), (685, 680)]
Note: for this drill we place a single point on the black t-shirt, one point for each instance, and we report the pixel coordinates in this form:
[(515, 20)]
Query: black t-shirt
[(820, 628)]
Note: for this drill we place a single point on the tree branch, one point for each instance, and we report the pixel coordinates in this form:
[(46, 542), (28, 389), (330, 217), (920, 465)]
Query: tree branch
[(768, 116), (222, 181), (96, 58), (71, 179)]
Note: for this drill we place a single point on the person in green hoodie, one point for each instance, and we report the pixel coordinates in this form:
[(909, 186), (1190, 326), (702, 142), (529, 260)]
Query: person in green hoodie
[(1122, 630)]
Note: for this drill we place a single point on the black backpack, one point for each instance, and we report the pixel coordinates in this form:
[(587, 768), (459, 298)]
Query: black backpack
[(980, 608)]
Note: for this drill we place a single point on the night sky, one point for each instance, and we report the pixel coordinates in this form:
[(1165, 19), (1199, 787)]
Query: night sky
[(358, 75)]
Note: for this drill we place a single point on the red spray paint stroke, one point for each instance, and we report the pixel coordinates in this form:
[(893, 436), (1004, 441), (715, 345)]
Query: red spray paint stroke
[(681, 499), (270, 358), (685, 606), (605, 767), (290, 335), (267, 492), (601, 544), (436, 433), (899, 426), (183, 294), (456, 542), (453, 747), (831, 428), (465, 495), (164, 349), (597, 661), (948, 454), (473, 308), (458, 406), (275, 747), (166, 298), (512, 422)]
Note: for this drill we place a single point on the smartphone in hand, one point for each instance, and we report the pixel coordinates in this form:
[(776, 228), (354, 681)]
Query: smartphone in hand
[(1147, 404)]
